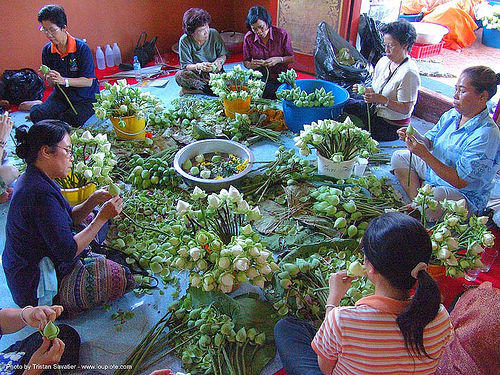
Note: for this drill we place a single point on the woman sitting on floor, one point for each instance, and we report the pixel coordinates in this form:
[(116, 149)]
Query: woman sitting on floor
[(71, 67), (39, 237), (31, 355), (8, 173), (395, 84), (266, 48), (460, 155), (390, 332), (201, 52)]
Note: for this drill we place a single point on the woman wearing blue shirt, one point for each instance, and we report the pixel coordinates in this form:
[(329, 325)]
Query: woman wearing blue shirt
[(460, 154), (40, 222), (71, 67)]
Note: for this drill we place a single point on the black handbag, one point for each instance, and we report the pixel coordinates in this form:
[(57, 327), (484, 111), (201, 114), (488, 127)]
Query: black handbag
[(144, 50), (22, 85)]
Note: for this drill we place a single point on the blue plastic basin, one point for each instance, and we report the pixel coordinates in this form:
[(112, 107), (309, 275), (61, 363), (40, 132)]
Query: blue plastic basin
[(412, 17), (491, 37), (297, 117)]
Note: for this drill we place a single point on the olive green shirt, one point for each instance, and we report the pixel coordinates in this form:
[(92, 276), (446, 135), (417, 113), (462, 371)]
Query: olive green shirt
[(191, 53)]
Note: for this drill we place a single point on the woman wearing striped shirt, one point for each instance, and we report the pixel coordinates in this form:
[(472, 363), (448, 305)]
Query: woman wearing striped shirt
[(387, 333)]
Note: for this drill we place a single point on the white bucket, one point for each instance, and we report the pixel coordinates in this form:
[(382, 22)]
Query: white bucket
[(340, 170)]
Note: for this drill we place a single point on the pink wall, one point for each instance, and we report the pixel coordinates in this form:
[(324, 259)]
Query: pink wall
[(100, 22)]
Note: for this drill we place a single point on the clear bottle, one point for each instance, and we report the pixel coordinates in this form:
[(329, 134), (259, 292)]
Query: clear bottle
[(109, 56), (137, 69), (99, 58), (117, 55)]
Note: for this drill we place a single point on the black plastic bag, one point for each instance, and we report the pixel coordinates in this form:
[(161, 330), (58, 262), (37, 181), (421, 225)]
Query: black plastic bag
[(371, 39), (144, 50), (22, 85), (327, 64)]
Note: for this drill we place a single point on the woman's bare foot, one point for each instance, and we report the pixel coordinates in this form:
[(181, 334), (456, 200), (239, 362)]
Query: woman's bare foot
[(5, 196), (26, 106)]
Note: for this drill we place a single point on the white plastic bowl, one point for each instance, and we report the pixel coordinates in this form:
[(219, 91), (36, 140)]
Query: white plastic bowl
[(429, 33), (207, 146)]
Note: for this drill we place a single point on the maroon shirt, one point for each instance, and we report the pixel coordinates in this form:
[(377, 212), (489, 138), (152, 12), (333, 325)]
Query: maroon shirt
[(278, 45)]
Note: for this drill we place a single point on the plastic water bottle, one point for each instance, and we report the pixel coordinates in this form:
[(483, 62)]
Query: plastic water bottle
[(117, 55), (137, 69), (99, 57), (109, 56)]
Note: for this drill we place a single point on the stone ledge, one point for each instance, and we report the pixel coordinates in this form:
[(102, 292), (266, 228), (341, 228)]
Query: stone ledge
[(431, 105)]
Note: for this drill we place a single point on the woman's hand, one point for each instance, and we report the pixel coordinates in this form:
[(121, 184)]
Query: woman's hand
[(272, 61), (111, 208), (53, 77), (355, 88), (416, 146), (101, 195), (204, 66), (6, 125), (402, 133), (371, 97), (338, 284), (46, 354), (39, 316)]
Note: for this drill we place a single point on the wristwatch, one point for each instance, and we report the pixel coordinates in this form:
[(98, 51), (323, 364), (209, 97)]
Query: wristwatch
[(66, 82)]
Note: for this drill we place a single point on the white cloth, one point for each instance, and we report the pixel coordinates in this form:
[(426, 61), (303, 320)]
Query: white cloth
[(47, 285), (402, 87)]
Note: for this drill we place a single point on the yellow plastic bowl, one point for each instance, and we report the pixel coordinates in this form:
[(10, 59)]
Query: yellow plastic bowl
[(78, 195)]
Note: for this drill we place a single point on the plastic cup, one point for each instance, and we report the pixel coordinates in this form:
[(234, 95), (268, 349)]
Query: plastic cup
[(471, 275), (488, 258), (360, 167)]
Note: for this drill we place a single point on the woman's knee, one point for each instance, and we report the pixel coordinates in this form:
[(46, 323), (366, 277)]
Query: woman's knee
[(400, 159)]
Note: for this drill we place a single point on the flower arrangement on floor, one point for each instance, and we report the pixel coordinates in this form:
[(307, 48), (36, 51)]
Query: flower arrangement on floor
[(457, 241), (123, 100), (334, 140), (237, 84), (215, 241), (93, 161)]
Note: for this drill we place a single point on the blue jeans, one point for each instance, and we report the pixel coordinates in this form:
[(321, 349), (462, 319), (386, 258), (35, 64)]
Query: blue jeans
[(293, 339)]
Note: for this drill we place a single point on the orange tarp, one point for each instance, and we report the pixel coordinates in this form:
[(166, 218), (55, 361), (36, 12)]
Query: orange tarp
[(456, 15)]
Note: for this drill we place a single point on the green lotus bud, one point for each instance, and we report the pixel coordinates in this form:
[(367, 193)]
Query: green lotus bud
[(195, 171), (349, 207), (187, 165), (260, 339), (352, 231), (137, 170), (241, 335), (120, 243), (218, 340), (113, 189), (226, 328), (50, 331), (156, 267), (356, 269), (44, 69), (340, 223), (252, 332)]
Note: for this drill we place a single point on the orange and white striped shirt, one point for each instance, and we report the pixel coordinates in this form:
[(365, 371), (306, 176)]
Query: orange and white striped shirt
[(365, 339)]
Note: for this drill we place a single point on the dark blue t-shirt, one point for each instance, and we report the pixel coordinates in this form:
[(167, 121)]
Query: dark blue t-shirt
[(38, 225), (74, 65)]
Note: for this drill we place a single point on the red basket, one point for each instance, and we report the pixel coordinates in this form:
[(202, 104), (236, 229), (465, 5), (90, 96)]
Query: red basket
[(419, 51)]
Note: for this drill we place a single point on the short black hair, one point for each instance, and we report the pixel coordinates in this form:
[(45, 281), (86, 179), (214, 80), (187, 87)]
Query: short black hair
[(257, 13), (43, 133), (482, 78), (402, 31), (53, 13), (194, 18)]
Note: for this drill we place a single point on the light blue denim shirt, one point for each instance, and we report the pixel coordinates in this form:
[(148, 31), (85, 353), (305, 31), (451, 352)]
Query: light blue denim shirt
[(472, 150)]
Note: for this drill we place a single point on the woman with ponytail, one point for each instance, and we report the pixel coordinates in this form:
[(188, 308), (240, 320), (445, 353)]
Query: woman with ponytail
[(390, 332)]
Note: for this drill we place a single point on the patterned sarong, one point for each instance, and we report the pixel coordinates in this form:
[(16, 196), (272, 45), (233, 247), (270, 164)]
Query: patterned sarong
[(92, 282)]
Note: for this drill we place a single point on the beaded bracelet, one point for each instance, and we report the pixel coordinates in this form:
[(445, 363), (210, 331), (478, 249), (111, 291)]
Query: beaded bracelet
[(330, 305), (22, 316)]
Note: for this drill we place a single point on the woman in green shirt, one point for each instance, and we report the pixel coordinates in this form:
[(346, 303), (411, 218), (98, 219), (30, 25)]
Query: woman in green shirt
[(201, 52)]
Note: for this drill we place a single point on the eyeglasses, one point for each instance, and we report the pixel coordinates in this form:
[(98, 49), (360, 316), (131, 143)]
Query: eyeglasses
[(68, 150), (50, 32), (391, 46)]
